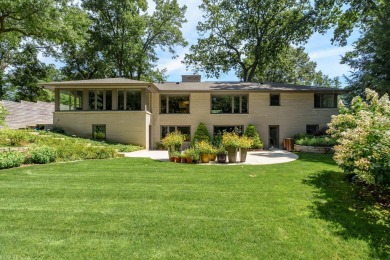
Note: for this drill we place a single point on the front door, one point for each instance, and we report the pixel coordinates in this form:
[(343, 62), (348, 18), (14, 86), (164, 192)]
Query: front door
[(273, 136)]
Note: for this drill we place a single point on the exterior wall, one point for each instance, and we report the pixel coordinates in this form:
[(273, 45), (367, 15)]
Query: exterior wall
[(295, 112), (128, 127)]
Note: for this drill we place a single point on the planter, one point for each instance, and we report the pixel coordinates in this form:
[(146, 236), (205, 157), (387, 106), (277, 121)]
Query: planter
[(177, 159), (221, 158), (183, 160), (172, 159), (243, 153), (213, 157), (189, 160), (232, 154), (205, 158)]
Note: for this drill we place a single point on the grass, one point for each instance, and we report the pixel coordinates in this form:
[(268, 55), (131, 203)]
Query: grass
[(138, 208)]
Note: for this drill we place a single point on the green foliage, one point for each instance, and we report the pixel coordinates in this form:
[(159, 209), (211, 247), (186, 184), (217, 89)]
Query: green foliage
[(247, 35), (308, 140), (252, 132), (173, 141), (245, 142), (43, 154), (3, 114), (201, 134), (192, 153), (369, 59), (10, 159), (230, 140), (362, 132), (204, 147), (14, 137)]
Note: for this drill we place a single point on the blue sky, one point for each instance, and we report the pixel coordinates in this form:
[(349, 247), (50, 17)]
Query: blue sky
[(319, 48)]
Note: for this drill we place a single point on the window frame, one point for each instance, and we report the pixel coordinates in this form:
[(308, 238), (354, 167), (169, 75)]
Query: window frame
[(188, 139), (167, 96), (93, 131), (270, 100), (232, 103), (320, 100), (317, 126), (229, 126)]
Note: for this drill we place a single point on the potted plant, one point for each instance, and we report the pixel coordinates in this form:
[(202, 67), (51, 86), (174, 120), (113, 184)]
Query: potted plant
[(213, 154), (173, 142), (183, 158), (231, 141), (204, 148), (176, 156), (221, 154), (245, 143), (252, 133)]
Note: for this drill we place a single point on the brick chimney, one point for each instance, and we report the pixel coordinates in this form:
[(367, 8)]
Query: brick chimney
[(190, 78)]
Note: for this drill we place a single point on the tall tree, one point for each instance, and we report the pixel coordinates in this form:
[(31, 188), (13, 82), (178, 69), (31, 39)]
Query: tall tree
[(293, 66), (371, 57), (247, 35), (345, 16), (127, 37), (26, 72)]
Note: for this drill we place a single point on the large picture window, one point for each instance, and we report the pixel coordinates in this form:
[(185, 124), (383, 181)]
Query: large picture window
[(129, 99), (71, 99), (229, 104), (325, 100), (185, 130), (99, 99), (174, 104), (229, 128)]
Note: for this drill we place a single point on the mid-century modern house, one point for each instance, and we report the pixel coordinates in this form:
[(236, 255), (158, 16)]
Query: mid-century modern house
[(142, 113)]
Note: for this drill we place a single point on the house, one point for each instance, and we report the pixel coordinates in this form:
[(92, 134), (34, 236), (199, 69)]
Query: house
[(142, 113)]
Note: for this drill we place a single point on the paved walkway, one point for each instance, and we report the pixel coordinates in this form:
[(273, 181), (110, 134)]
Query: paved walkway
[(259, 157)]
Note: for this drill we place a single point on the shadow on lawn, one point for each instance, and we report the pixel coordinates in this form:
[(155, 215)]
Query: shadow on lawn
[(351, 217)]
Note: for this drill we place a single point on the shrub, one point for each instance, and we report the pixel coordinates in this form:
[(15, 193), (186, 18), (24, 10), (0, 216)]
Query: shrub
[(15, 137), (324, 141), (173, 141), (204, 147), (251, 132), (3, 114), (43, 154), (10, 159), (230, 140), (201, 134), (363, 136), (245, 142)]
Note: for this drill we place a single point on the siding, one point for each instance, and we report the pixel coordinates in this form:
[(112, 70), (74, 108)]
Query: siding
[(295, 112), (126, 127)]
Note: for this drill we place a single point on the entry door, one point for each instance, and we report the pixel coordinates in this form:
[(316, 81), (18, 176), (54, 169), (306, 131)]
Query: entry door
[(273, 136)]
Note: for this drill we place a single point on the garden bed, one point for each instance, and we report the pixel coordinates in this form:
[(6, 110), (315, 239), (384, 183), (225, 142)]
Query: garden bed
[(313, 149)]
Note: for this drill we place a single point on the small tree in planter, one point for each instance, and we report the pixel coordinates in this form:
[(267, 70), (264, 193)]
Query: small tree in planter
[(201, 134), (173, 142), (231, 141), (245, 143), (221, 154), (205, 149), (252, 133)]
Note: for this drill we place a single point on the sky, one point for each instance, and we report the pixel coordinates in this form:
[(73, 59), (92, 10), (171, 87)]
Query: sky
[(319, 48)]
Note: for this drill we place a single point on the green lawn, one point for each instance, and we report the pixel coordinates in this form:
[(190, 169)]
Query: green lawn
[(138, 208)]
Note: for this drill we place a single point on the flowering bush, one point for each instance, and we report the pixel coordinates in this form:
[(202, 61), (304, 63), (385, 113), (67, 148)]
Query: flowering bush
[(204, 147), (173, 140), (230, 140), (363, 135), (245, 142)]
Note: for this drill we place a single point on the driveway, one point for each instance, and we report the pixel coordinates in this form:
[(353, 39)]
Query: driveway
[(253, 158)]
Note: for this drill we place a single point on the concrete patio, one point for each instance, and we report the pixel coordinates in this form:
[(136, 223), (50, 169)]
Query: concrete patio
[(253, 158)]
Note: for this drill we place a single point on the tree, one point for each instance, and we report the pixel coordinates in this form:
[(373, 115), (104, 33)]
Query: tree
[(247, 35), (345, 16), (252, 133), (362, 133), (370, 58), (127, 38), (201, 134), (293, 66), (26, 72)]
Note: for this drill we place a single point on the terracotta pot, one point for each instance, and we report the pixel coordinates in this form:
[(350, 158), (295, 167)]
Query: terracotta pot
[(205, 158), (183, 160), (177, 159), (189, 160), (221, 158), (232, 154), (243, 153), (172, 159), (213, 157)]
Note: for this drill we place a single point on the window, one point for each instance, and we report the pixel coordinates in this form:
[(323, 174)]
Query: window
[(230, 128), (227, 104), (311, 129), (325, 100), (129, 99), (99, 132), (274, 100), (174, 104), (71, 99), (186, 130), (99, 99)]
